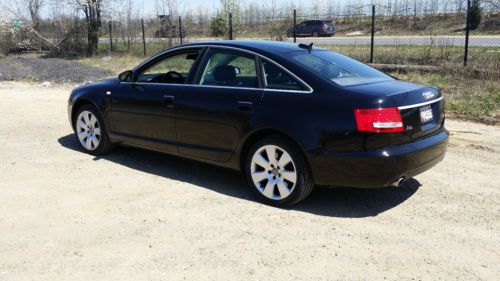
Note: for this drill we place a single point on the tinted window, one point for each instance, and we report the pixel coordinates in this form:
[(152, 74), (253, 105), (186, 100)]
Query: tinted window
[(230, 68), (172, 70), (329, 23), (339, 69), (275, 78)]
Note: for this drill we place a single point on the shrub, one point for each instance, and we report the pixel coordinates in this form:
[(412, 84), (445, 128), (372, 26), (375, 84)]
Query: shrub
[(218, 26)]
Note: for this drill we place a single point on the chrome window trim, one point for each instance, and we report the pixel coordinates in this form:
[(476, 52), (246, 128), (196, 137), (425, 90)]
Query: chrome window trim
[(308, 91), (193, 85), (420, 104)]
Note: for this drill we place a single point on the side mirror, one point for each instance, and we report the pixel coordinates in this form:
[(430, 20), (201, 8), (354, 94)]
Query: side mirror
[(125, 76)]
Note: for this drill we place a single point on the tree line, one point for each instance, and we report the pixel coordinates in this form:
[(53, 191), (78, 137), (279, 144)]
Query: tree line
[(59, 25)]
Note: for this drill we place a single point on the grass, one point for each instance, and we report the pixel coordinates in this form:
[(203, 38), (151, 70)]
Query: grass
[(113, 63), (485, 57), (467, 97), (435, 24)]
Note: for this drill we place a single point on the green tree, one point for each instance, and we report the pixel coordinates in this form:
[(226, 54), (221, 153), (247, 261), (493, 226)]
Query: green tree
[(218, 26), (475, 14)]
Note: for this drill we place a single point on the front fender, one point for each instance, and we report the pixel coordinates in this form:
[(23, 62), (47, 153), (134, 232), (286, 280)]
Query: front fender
[(95, 94)]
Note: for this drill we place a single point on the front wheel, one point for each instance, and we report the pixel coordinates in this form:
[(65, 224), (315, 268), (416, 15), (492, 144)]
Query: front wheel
[(277, 172), (90, 131)]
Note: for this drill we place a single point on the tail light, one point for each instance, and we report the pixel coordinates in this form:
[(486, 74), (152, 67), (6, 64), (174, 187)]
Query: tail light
[(379, 120), (325, 26)]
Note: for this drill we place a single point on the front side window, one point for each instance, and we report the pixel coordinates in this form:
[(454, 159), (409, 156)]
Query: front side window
[(172, 70), (277, 79), (339, 69), (230, 68)]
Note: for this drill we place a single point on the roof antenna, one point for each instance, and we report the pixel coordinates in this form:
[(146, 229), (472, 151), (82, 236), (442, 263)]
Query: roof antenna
[(307, 47)]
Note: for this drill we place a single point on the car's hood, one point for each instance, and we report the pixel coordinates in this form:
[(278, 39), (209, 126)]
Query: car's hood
[(98, 84)]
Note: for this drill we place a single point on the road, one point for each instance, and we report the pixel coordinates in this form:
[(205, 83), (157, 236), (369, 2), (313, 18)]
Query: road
[(138, 215), (474, 41)]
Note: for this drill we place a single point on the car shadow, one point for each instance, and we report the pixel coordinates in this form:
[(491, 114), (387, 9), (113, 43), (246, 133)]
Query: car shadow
[(334, 202)]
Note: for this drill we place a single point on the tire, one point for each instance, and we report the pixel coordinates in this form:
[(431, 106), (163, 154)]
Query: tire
[(315, 34), (274, 185), (89, 128)]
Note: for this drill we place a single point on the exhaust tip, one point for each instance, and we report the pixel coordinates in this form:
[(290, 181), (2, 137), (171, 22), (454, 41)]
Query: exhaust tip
[(399, 182)]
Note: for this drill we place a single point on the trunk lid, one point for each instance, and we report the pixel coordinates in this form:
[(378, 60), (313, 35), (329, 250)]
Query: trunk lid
[(421, 107)]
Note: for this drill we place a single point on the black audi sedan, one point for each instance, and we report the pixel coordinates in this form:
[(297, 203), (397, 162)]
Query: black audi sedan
[(289, 116)]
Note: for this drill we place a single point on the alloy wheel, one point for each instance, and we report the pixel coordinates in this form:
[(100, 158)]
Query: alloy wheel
[(273, 172), (88, 130)]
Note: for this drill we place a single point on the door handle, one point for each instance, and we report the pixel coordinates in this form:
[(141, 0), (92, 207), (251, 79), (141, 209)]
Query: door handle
[(245, 105), (169, 101)]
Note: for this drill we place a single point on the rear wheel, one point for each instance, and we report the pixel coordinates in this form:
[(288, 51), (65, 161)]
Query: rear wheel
[(315, 34), (277, 172), (90, 131)]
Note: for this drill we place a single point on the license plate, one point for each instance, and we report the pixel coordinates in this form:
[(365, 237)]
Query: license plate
[(426, 114)]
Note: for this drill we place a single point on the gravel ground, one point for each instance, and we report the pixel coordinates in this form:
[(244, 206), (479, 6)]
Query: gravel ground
[(138, 215), (49, 70)]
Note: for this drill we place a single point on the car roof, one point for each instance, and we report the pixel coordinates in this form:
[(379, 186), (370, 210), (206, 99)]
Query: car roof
[(259, 46)]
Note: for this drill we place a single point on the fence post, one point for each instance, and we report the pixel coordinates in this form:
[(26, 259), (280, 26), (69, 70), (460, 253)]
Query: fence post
[(294, 26), (230, 26), (143, 37), (180, 29), (372, 43), (111, 36), (467, 30)]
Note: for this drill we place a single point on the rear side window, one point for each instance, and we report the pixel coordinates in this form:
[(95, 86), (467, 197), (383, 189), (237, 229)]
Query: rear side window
[(230, 68), (277, 79)]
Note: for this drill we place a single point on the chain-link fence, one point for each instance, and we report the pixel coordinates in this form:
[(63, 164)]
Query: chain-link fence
[(416, 32)]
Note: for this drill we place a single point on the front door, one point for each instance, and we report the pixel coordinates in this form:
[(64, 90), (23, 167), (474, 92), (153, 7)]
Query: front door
[(143, 110)]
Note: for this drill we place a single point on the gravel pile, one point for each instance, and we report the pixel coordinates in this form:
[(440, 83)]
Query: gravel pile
[(49, 69)]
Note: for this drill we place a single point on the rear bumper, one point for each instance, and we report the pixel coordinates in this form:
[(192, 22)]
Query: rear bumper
[(327, 33), (379, 167)]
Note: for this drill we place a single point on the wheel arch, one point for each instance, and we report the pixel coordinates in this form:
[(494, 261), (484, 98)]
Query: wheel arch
[(77, 105), (257, 135)]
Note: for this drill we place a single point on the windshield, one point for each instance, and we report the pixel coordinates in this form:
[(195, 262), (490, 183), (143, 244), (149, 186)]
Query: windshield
[(339, 69)]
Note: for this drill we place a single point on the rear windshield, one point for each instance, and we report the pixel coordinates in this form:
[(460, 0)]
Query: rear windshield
[(339, 69)]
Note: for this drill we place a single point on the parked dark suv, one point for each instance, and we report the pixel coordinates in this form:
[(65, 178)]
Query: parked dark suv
[(313, 28)]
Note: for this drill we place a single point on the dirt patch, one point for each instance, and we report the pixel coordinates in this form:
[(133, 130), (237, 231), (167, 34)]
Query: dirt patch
[(49, 69), (139, 215)]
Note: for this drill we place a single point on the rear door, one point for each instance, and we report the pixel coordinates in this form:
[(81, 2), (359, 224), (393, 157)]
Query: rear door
[(143, 111), (212, 117), (303, 29)]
